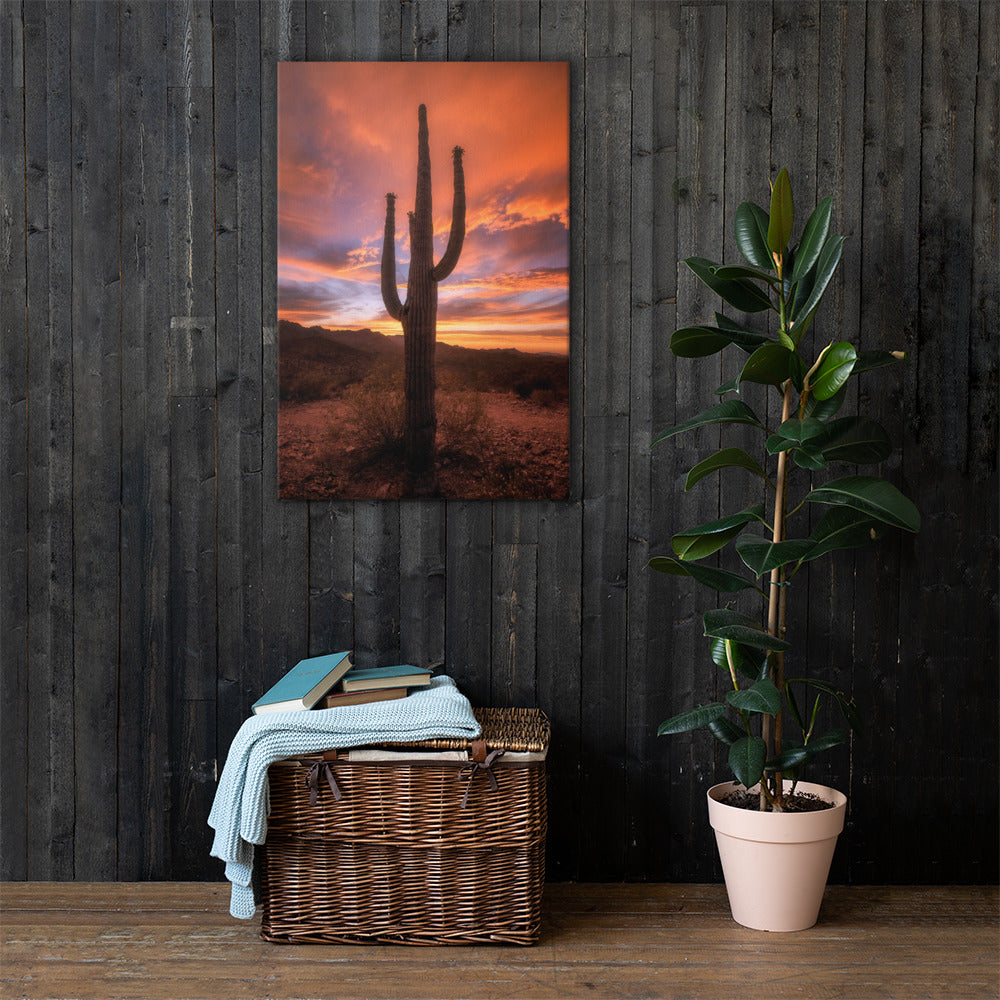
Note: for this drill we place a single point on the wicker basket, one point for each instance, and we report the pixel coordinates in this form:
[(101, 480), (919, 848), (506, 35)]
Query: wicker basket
[(414, 851)]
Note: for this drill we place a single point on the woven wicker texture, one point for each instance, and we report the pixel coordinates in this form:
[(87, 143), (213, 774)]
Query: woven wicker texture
[(398, 858), (521, 729)]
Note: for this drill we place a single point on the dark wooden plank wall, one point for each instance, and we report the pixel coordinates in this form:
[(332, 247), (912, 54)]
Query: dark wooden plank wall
[(152, 584)]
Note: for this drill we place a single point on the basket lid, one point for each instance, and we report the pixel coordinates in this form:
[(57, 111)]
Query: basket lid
[(524, 730)]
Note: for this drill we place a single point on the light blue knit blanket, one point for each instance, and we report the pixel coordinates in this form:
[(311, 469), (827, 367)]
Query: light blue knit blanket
[(239, 812)]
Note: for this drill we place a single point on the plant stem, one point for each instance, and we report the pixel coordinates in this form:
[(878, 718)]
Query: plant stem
[(776, 599)]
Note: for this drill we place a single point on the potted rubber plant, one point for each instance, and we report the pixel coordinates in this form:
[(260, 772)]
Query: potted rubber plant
[(768, 719)]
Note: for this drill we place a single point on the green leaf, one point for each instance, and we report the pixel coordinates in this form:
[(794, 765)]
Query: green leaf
[(872, 496), (829, 258), (727, 458), (723, 623), (834, 738), (793, 756), (761, 556), (773, 364), (717, 579), (746, 758), (743, 337), (794, 432), (779, 229), (834, 370), (823, 409), (694, 718), (751, 234), (733, 385), (763, 697), (702, 341), (730, 412), (847, 706), (813, 237), (841, 528), (697, 342), (809, 457), (730, 272), (749, 662), (859, 440), (869, 360), (704, 539), (741, 294), (724, 731)]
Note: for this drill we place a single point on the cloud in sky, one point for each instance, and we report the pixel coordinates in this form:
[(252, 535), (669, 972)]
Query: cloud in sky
[(347, 134)]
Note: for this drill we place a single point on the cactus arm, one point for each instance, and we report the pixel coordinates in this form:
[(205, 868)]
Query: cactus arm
[(390, 295), (457, 237)]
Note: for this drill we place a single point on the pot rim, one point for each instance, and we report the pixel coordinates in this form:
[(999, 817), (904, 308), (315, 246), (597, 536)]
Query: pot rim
[(771, 827)]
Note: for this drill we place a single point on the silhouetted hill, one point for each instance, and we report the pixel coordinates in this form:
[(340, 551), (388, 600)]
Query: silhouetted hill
[(317, 363)]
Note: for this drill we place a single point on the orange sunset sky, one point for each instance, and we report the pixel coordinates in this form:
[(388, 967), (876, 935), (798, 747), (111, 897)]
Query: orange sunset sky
[(347, 134)]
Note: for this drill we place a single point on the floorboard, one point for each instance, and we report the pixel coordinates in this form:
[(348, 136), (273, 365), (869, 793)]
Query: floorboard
[(118, 941)]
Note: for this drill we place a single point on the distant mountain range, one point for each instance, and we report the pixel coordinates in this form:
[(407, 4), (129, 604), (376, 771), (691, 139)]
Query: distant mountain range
[(380, 343), (318, 363)]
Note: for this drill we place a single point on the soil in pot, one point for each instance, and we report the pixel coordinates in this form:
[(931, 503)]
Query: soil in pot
[(800, 802)]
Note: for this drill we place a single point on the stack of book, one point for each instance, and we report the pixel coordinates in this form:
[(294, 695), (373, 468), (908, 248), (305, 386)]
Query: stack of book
[(330, 681)]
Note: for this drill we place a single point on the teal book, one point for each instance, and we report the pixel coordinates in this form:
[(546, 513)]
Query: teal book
[(403, 675), (304, 684)]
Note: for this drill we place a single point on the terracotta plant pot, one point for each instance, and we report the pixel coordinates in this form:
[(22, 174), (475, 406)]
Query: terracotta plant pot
[(776, 864)]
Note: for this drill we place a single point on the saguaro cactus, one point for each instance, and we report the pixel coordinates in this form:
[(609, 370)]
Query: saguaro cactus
[(418, 314)]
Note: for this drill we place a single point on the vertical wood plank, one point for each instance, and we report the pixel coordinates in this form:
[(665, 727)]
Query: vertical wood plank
[(48, 149), (515, 523), (285, 524), (826, 649), (144, 841), (14, 733), (193, 431), (470, 30), (96, 316), (332, 585), (655, 46), (424, 30), (699, 193), (940, 451), (605, 474), (983, 416), (193, 761), (984, 364), (239, 371), (890, 321), (560, 524), (469, 555)]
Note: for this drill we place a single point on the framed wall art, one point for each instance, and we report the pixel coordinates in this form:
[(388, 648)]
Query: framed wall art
[(423, 280)]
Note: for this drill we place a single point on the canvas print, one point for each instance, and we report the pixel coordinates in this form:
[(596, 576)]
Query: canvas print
[(423, 280)]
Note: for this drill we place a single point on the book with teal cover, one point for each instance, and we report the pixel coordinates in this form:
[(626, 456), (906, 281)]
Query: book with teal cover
[(401, 675), (304, 684)]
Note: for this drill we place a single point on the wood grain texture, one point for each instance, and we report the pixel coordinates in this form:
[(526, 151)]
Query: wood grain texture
[(153, 584), (622, 941), (95, 310), (14, 734), (144, 835), (48, 147), (698, 191)]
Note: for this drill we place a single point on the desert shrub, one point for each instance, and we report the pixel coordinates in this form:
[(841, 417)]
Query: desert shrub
[(375, 417), (303, 385), (463, 424), (375, 414)]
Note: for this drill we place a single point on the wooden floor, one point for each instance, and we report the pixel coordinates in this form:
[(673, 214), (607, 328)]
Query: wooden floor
[(155, 940)]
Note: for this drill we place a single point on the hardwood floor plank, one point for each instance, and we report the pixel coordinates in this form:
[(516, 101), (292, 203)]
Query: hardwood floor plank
[(118, 941)]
